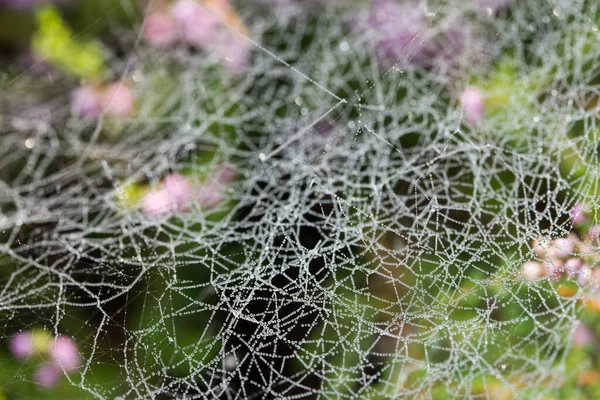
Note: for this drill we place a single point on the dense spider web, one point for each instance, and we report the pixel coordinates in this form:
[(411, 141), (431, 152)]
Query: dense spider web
[(372, 243)]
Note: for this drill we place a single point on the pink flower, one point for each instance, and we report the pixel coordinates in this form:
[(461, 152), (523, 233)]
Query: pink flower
[(473, 107), (199, 27), (21, 345), (583, 336), (158, 202), (540, 247), (212, 27), (160, 29), (578, 214), (562, 248), (226, 174), (573, 265), (118, 100), (175, 194), (179, 188), (65, 353), (586, 249), (86, 102), (213, 193), (235, 54), (47, 375), (554, 268), (398, 31), (584, 275), (533, 270), (594, 232), (178, 194)]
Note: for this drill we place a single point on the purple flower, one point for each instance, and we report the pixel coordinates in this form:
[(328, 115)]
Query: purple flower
[(397, 31), (198, 26), (578, 214), (586, 249), (574, 264), (562, 248), (449, 45), (212, 27), (21, 345), (176, 194), (554, 268), (583, 336), (118, 100), (86, 102), (47, 375), (160, 29), (473, 107), (213, 192), (594, 232), (533, 270), (584, 275), (65, 354)]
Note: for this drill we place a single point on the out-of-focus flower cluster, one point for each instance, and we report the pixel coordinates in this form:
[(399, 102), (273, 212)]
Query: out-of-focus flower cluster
[(572, 256), (116, 100), (179, 194), (57, 354), (209, 25)]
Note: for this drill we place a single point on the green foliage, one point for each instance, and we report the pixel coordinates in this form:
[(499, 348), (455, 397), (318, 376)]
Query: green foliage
[(55, 43)]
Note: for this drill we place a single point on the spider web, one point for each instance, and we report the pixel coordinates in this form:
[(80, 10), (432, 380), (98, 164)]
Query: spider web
[(372, 243)]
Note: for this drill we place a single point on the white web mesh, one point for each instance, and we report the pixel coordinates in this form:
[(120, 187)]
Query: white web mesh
[(371, 243)]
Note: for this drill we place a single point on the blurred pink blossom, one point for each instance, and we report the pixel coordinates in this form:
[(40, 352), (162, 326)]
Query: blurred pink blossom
[(214, 27), (160, 29), (118, 100), (533, 270), (554, 268), (235, 54), (572, 265), (586, 249), (473, 107), (398, 31), (47, 375), (540, 247), (578, 214), (175, 194), (86, 102), (198, 26), (583, 336), (21, 345), (65, 354), (584, 275), (594, 232), (212, 193), (562, 247)]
